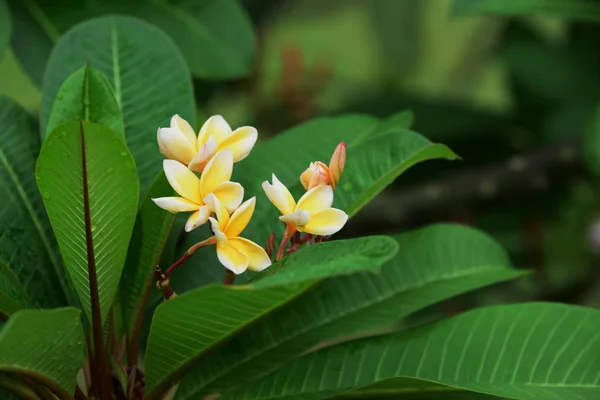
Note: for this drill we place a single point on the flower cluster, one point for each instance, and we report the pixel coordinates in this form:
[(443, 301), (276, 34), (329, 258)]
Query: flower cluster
[(213, 197)]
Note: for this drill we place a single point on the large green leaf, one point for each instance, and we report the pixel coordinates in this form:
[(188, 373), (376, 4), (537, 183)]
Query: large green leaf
[(150, 234), (46, 346), (433, 264), (150, 78), (528, 351), (26, 243), (592, 143), (86, 95), (5, 27), (203, 318), (572, 9), (88, 181), (215, 36), (12, 293)]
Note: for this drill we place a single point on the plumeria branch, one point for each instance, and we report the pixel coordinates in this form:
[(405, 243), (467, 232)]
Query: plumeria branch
[(189, 253)]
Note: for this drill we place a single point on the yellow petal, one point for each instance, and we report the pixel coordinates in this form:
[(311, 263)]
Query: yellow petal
[(179, 123), (233, 259), (183, 181), (215, 126), (219, 209), (326, 222), (240, 218), (258, 259), (279, 195), (215, 226), (217, 171), (175, 204), (316, 199), (298, 218), (174, 145), (240, 142), (197, 218), (207, 150), (230, 194)]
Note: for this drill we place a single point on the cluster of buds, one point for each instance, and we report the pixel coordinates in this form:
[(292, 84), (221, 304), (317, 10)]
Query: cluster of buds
[(320, 174)]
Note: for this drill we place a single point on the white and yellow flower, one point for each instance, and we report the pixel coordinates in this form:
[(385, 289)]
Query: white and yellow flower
[(215, 180), (236, 253), (312, 214), (318, 173), (179, 142)]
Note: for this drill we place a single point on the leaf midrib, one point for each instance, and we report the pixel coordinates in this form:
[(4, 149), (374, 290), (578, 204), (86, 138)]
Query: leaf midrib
[(363, 307), (36, 222)]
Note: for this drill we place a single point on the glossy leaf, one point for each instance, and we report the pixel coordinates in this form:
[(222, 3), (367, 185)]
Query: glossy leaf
[(525, 351), (571, 9), (88, 181), (46, 346), (198, 329), (86, 95), (27, 245), (399, 121), (12, 293), (5, 27), (433, 264), (150, 234), (216, 37), (150, 79)]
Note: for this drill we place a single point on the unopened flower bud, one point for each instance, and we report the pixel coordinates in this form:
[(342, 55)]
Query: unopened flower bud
[(337, 164), (316, 174)]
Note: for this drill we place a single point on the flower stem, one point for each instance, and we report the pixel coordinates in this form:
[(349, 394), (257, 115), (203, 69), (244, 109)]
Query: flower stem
[(229, 277), (189, 253), (287, 235)]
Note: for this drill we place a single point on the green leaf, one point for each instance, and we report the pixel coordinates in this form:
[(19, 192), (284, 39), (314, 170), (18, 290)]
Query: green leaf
[(26, 244), (433, 264), (46, 346), (571, 9), (12, 293), (5, 27), (150, 234), (591, 148), (186, 327), (371, 167), (215, 36), (525, 351), (86, 95), (204, 330), (402, 120), (340, 257), (88, 181), (149, 75)]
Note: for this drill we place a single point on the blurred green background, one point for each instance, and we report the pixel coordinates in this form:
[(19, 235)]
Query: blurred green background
[(513, 95)]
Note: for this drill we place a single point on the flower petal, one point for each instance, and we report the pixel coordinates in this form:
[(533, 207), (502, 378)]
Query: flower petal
[(219, 209), (196, 219), (183, 181), (316, 199), (179, 123), (279, 195), (326, 222), (240, 218), (174, 145), (258, 257), (299, 218), (175, 204), (219, 235), (230, 194), (233, 259), (240, 142), (215, 126), (207, 150), (217, 171)]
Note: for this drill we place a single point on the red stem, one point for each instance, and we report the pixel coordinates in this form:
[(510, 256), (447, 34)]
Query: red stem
[(289, 232), (189, 253), (229, 277)]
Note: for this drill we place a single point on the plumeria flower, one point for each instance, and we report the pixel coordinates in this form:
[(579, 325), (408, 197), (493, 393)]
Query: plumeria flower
[(179, 141), (320, 174), (312, 214), (194, 190), (236, 253)]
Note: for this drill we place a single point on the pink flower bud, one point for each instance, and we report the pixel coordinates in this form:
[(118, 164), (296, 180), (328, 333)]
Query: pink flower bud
[(337, 164), (316, 174)]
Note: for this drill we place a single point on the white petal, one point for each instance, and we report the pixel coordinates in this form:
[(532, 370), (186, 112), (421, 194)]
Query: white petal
[(215, 126), (197, 219), (179, 123), (183, 181), (174, 145), (230, 194), (279, 195), (214, 205), (175, 204), (216, 228), (299, 218), (316, 199), (207, 150)]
